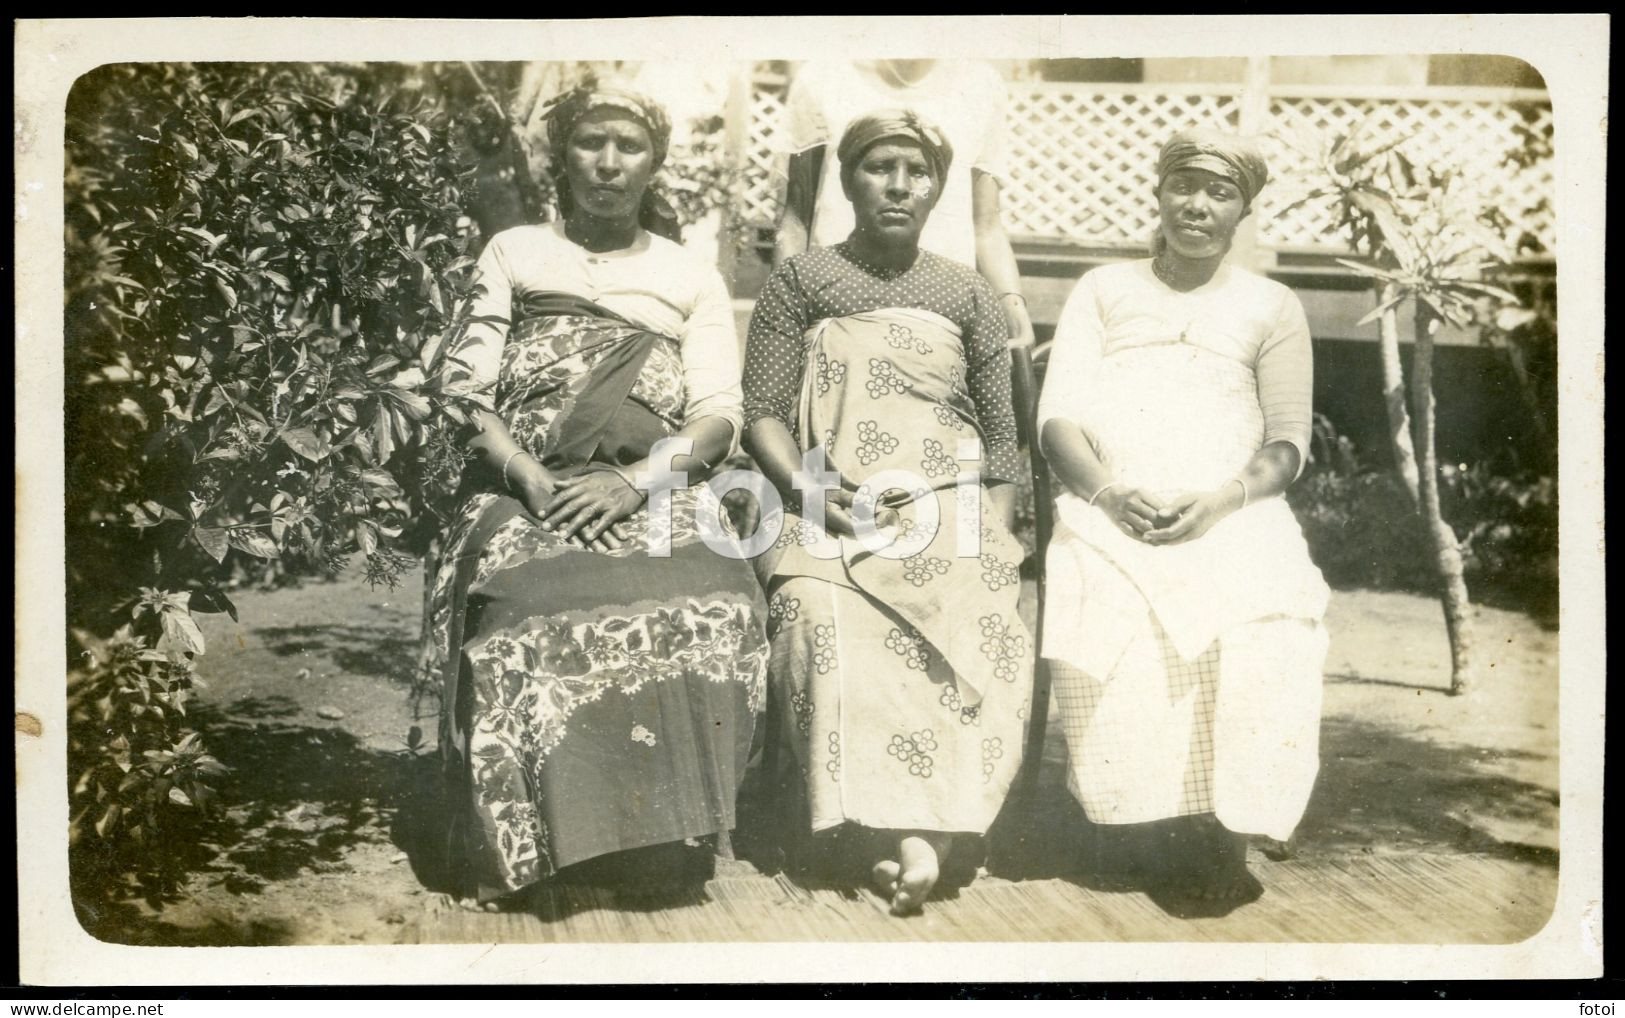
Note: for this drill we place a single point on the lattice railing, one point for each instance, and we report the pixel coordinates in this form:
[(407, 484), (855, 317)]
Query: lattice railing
[(1082, 163), (761, 195), (1081, 157)]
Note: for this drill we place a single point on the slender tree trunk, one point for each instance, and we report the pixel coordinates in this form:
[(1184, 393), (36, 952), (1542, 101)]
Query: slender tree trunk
[(1446, 552), (423, 681), (1393, 395)]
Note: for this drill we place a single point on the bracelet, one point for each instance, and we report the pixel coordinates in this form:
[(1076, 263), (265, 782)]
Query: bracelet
[(1017, 296), (1101, 491), (506, 483), (643, 496), (1246, 495)]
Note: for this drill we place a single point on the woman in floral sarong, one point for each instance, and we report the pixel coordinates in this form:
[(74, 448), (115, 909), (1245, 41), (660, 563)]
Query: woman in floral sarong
[(1184, 614), (597, 699), (903, 677)]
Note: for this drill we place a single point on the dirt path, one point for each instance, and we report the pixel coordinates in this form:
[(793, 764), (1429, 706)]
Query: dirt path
[(335, 820)]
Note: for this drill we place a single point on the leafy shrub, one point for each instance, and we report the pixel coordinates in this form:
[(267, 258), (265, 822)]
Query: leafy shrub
[(256, 256), (133, 757), (1363, 531)]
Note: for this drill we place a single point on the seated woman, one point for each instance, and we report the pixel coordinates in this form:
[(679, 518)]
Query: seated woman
[(596, 699), (1184, 614), (904, 680)]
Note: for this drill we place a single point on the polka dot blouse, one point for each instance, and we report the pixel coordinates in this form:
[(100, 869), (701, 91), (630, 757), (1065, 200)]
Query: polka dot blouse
[(830, 282)]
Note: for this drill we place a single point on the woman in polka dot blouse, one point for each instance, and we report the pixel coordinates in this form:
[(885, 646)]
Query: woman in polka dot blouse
[(905, 717)]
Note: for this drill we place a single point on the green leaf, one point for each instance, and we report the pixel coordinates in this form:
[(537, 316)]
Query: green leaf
[(306, 443), (1364, 269), (383, 442), (366, 535), (253, 543), (130, 408), (208, 238), (1382, 308), (212, 540), (213, 600), (181, 634), (416, 406), (1505, 296), (149, 513), (1304, 199), (227, 293), (108, 821), (381, 479)]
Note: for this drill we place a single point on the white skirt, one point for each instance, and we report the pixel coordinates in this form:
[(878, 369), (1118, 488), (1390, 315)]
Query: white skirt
[(1188, 676), (1235, 732)]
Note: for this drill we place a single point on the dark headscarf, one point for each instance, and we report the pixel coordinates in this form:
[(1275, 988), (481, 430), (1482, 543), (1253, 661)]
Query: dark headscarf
[(866, 131), (1236, 159), (565, 111)]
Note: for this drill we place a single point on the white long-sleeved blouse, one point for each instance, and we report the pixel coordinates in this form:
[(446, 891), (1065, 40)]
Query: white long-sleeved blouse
[(655, 284), (1237, 314)]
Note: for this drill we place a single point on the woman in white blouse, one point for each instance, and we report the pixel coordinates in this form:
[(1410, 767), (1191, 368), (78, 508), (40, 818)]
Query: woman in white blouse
[(598, 701), (1183, 620)]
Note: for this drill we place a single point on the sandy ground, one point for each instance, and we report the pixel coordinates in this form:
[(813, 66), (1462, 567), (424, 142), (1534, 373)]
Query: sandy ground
[(333, 813)]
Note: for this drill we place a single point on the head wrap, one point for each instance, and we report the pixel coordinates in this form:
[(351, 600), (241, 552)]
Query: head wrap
[(866, 131), (1236, 159), (566, 110)]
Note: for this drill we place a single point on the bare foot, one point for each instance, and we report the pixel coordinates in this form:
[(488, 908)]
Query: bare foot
[(920, 869), (885, 874)]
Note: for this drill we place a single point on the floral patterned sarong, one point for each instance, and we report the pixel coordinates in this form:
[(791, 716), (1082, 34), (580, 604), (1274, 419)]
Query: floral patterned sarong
[(906, 681), (592, 702)]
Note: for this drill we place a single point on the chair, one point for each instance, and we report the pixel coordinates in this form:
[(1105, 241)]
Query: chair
[(1024, 394)]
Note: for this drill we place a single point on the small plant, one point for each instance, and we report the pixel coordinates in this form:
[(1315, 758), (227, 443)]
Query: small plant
[(1359, 522)]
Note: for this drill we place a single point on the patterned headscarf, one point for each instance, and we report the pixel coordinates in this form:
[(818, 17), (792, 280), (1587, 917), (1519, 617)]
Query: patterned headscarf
[(866, 131), (1236, 159), (566, 110)]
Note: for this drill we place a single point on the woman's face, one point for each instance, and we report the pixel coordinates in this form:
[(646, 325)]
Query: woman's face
[(608, 162), (1200, 212), (892, 191)]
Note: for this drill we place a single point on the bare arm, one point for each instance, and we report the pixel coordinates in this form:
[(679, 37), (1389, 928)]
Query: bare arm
[(800, 198), (773, 447), (511, 468), (1190, 515), (1073, 458), (995, 258), (592, 503)]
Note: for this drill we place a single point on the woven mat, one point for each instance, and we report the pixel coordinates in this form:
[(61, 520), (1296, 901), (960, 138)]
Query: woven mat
[(1433, 899)]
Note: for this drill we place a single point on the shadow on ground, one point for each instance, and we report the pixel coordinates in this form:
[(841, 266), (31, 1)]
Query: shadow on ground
[(357, 648), (299, 797), (296, 799), (1379, 788)]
